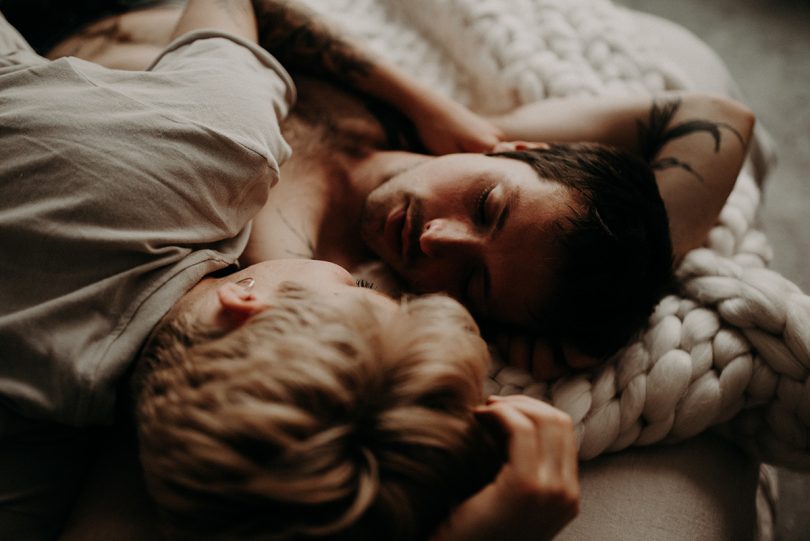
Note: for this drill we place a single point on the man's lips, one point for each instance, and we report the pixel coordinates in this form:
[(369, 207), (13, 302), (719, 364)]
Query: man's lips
[(406, 234)]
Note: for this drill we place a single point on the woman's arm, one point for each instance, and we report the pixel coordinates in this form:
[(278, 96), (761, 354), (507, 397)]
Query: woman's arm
[(695, 143), (303, 40)]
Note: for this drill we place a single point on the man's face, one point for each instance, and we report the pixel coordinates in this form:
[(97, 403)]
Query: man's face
[(480, 228)]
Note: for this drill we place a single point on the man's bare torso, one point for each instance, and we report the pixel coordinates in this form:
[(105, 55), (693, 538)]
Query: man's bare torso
[(127, 41), (330, 130)]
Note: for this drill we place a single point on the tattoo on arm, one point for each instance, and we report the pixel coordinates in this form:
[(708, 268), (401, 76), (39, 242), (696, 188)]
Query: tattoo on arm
[(301, 39), (657, 132)]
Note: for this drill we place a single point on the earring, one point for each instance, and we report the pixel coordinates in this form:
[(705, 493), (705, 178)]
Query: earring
[(246, 283)]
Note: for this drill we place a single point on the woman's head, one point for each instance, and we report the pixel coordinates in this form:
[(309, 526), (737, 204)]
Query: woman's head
[(318, 416)]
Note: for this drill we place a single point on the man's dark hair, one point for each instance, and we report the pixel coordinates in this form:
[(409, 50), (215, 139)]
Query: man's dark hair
[(615, 253)]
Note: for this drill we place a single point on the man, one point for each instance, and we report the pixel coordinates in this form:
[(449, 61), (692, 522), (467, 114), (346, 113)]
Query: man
[(590, 239), (124, 195)]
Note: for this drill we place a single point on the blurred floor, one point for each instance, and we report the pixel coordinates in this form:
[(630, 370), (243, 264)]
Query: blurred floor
[(766, 45)]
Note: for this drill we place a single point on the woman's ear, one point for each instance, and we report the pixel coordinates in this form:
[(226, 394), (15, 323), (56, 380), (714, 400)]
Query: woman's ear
[(509, 146), (237, 302)]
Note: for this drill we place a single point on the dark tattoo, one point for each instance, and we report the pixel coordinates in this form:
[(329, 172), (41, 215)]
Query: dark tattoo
[(657, 132), (300, 39)]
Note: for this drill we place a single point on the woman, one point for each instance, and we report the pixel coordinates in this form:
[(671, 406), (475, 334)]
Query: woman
[(332, 411)]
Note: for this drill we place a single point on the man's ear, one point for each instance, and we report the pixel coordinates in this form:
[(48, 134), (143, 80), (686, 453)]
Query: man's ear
[(508, 146), (237, 302)]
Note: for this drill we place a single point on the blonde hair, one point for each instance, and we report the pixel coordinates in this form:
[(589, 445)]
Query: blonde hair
[(311, 421)]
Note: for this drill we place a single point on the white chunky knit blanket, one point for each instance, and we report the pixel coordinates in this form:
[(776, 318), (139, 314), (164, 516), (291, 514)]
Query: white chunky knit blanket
[(734, 347)]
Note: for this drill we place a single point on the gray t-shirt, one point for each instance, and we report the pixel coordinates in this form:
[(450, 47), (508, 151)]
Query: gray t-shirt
[(118, 192)]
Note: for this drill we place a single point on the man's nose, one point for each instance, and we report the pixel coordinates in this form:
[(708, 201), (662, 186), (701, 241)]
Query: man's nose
[(443, 236)]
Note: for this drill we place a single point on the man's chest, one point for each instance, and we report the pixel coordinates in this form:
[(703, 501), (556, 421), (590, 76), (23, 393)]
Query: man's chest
[(310, 214), (313, 212), (329, 122), (129, 41)]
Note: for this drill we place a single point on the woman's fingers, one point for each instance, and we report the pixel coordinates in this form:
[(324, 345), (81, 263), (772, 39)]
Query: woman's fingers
[(540, 436), (521, 431), (536, 492)]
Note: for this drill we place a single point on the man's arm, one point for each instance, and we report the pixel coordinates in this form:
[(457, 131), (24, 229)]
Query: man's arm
[(232, 16), (303, 40), (695, 143)]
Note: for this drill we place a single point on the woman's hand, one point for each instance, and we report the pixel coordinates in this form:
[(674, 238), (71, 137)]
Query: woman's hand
[(445, 127), (536, 493)]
